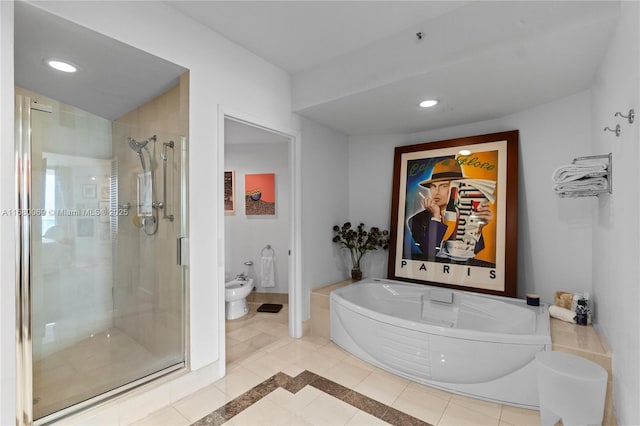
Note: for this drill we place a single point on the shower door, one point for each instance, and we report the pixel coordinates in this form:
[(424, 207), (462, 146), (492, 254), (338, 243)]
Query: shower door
[(102, 292)]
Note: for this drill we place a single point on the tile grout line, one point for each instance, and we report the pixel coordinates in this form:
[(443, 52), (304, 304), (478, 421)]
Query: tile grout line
[(446, 407), (294, 385)]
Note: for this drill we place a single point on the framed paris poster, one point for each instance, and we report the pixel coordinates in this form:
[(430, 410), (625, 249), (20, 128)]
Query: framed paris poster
[(454, 217)]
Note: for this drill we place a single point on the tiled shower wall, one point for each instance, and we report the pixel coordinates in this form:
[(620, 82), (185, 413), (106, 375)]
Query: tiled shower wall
[(146, 275)]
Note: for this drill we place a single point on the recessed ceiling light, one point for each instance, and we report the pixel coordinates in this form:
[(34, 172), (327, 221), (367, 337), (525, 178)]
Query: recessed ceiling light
[(464, 152), (428, 103), (62, 65)]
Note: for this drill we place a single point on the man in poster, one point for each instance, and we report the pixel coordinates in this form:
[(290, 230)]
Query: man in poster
[(440, 230)]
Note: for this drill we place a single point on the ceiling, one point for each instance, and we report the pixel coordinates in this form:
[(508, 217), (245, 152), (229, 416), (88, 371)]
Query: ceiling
[(355, 66), (299, 35), (359, 67), (236, 132), (113, 78)]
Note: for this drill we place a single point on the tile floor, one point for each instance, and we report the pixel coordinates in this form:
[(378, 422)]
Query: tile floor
[(90, 367), (273, 379)]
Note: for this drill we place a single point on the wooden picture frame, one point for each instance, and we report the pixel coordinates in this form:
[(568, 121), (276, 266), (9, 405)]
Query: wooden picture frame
[(260, 194), (454, 214), (229, 192)]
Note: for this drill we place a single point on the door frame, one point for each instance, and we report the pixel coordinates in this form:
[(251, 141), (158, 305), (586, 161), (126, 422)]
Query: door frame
[(295, 227), (24, 413)]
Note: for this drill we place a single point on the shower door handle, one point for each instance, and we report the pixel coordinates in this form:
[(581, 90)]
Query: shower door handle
[(182, 251)]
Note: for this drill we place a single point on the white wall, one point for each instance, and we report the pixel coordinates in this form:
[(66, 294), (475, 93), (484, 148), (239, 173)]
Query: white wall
[(616, 228), (370, 182), (246, 236), (7, 240), (325, 200), (554, 234)]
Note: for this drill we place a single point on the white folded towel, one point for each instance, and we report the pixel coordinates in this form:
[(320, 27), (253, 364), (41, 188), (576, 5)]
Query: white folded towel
[(561, 313), (585, 184), (577, 171), (267, 273), (145, 194)]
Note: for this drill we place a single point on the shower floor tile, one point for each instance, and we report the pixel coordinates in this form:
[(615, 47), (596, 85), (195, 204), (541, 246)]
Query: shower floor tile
[(92, 366)]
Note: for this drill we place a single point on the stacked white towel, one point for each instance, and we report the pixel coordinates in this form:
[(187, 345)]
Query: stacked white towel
[(563, 314), (585, 184), (577, 171), (586, 175), (145, 194)]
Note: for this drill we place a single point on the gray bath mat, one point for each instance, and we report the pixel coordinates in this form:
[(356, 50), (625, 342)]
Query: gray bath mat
[(273, 308)]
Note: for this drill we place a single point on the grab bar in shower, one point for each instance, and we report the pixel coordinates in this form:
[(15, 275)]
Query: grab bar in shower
[(163, 205)]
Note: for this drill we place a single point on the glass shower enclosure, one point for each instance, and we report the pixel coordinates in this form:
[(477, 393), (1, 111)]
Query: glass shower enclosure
[(101, 213)]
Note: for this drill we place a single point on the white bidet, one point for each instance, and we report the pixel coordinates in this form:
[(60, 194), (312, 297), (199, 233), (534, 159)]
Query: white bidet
[(235, 297)]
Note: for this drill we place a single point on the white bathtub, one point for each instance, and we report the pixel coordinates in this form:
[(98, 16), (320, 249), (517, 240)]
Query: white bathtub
[(478, 345)]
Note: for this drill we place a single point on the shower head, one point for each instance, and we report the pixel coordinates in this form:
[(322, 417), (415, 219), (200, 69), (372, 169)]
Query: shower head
[(137, 146)]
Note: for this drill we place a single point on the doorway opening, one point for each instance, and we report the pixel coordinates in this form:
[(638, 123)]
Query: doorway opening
[(260, 235)]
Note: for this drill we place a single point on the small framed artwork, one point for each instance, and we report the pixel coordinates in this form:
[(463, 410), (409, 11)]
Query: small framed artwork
[(454, 214), (105, 192), (89, 191), (230, 192), (85, 227), (260, 194), (103, 207)]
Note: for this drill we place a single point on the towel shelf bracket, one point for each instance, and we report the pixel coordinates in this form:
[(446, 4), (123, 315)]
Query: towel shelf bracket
[(607, 174)]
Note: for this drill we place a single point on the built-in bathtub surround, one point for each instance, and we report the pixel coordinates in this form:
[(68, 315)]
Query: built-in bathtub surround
[(586, 342), (583, 341), (320, 309), (473, 344)]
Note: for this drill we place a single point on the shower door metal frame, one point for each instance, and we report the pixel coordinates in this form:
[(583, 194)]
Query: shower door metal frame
[(24, 344), (24, 338)]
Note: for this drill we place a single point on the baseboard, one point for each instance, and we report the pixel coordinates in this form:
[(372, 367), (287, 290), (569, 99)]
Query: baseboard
[(258, 297)]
